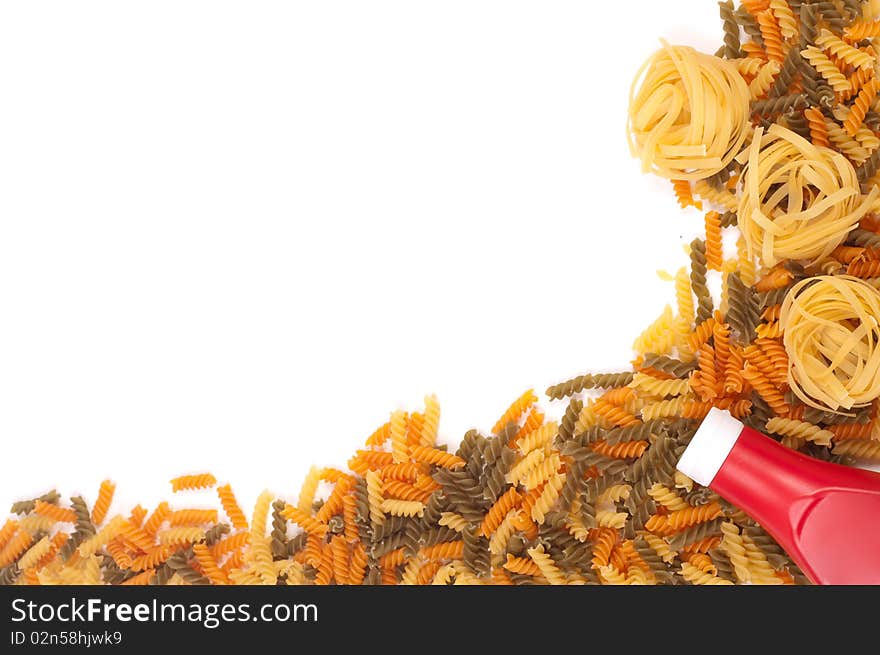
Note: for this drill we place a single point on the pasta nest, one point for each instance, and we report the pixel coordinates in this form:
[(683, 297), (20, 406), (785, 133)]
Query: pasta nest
[(798, 200), (832, 337), (689, 117)]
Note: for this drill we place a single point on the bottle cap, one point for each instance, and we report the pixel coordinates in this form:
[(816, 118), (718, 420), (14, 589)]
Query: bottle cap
[(710, 446)]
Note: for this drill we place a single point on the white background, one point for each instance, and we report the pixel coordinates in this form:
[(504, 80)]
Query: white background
[(235, 236)]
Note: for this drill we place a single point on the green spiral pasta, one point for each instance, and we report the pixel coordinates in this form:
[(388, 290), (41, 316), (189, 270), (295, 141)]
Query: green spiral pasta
[(698, 280)]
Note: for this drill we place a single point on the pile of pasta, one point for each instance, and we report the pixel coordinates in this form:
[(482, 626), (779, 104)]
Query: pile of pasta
[(775, 138)]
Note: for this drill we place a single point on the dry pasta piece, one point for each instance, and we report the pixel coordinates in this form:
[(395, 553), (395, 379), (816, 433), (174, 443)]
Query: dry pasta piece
[(614, 415), (157, 518), (505, 503), (380, 435), (190, 517), (60, 514), (396, 507), (102, 504), (515, 411), (306, 522), (399, 447), (521, 565), (198, 481), (683, 193), (428, 455), (546, 565), (231, 507), (432, 421)]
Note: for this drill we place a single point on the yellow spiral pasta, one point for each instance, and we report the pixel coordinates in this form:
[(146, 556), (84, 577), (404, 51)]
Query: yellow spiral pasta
[(542, 472), (656, 387), (432, 421), (827, 69), (608, 519), (454, 521), (733, 546), (658, 337), (402, 507), (784, 16), (762, 82), (832, 331), (688, 113), (719, 197), (539, 438), (822, 205), (843, 51), (374, 494), (521, 469), (697, 576), (180, 536), (666, 497), (799, 430), (546, 565), (399, 447), (548, 496)]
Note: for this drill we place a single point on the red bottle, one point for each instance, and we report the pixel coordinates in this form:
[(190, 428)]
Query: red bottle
[(825, 516)]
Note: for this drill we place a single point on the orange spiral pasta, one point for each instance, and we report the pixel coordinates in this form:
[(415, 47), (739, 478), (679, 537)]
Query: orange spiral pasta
[(702, 333), (618, 396), (860, 106), (404, 491), (604, 540), (358, 564), (683, 518), (380, 435), (184, 517), (339, 551), (818, 129), (759, 359), (367, 460), (428, 455), (60, 514), (333, 504), (733, 379), (159, 516), (306, 522), (325, 568), (684, 194), (767, 391), (198, 481), (136, 535), (776, 278), (506, 502), (773, 43), (406, 472), (102, 504), (614, 415), (444, 550), (622, 450), (705, 380), (851, 430), (864, 269), (231, 507), (153, 558), (515, 411), (209, 565), (862, 29), (521, 565)]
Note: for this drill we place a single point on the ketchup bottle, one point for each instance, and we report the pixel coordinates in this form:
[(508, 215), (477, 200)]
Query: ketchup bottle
[(825, 516)]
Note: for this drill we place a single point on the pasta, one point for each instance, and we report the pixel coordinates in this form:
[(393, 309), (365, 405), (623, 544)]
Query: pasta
[(795, 230), (688, 114)]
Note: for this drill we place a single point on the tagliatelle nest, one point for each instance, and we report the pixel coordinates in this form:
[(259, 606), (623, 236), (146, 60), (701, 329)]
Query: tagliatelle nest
[(799, 200), (689, 117), (832, 337)]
